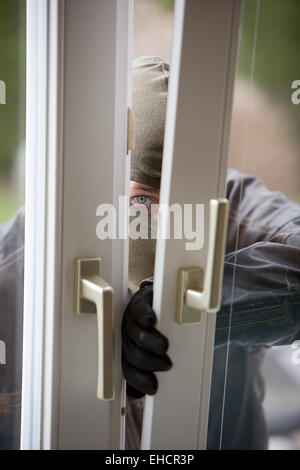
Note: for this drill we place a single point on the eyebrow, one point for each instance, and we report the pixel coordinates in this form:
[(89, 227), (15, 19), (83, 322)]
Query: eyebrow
[(143, 187)]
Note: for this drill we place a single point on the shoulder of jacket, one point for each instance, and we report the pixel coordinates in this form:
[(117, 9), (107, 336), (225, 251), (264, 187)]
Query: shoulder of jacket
[(12, 235)]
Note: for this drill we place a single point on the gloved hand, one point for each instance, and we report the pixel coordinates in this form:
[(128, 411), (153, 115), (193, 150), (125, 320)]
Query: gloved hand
[(144, 347)]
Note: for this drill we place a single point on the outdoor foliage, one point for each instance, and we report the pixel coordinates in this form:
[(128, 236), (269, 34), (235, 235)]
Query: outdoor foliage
[(277, 58), (12, 72)]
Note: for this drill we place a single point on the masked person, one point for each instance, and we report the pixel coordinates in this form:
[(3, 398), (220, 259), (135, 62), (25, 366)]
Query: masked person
[(261, 287)]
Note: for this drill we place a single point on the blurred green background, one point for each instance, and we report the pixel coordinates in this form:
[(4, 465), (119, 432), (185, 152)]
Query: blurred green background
[(12, 114), (277, 61), (276, 66)]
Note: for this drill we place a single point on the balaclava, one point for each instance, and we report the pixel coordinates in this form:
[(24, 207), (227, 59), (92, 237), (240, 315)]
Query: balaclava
[(150, 88)]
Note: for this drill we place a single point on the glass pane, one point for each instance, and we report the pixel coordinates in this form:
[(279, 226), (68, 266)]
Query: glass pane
[(255, 393), (12, 163)]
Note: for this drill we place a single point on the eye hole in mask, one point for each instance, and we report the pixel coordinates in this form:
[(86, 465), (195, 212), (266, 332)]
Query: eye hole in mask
[(142, 200)]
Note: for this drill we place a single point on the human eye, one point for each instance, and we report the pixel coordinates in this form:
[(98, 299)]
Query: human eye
[(141, 200)]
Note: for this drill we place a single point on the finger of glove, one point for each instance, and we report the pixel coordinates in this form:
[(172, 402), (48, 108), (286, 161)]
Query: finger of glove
[(144, 382), (149, 339), (140, 307), (145, 360)]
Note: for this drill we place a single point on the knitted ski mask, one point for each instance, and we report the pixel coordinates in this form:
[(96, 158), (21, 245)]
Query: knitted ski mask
[(150, 87)]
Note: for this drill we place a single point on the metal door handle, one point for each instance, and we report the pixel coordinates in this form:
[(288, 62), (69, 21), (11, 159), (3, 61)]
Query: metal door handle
[(200, 291), (93, 295)]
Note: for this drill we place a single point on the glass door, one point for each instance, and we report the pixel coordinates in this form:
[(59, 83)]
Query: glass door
[(188, 274), (255, 378), (259, 392)]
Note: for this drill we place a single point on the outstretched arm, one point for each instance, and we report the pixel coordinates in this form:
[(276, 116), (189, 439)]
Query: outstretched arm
[(261, 286)]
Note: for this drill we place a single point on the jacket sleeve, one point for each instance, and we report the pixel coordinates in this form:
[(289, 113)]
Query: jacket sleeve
[(257, 214), (261, 286), (11, 329)]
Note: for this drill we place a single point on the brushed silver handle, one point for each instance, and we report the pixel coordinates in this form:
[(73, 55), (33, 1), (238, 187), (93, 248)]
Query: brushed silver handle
[(94, 295), (198, 289)]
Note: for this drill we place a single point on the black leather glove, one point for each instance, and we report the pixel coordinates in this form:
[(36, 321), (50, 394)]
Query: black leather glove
[(144, 347)]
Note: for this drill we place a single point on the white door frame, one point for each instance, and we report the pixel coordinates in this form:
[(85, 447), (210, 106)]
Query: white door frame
[(78, 89), (194, 171)]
